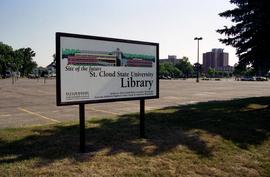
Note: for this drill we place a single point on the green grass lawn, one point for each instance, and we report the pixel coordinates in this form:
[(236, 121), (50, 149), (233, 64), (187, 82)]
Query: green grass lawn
[(219, 138)]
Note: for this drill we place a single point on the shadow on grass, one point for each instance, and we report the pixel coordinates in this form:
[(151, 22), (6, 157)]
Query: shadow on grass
[(242, 121)]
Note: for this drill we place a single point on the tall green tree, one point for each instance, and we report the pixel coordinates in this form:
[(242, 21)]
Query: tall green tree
[(27, 63), (17, 60), (53, 63), (168, 69), (211, 72), (6, 56), (185, 67), (239, 70), (163, 70), (250, 33)]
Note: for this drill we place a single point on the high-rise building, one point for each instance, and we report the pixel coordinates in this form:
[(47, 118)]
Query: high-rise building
[(171, 59), (216, 59)]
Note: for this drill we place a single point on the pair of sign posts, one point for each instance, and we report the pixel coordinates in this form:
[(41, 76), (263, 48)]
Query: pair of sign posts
[(93, 69)]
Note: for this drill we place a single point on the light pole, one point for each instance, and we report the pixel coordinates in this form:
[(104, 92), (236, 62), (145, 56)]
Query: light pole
[(198, 40)]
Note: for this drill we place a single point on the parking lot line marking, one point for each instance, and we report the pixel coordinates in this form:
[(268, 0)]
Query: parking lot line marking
[(171, 98), (126, 103), (44, 92), (36, 114), (5, 115), (149, 108), (99, 110), (138, 104)]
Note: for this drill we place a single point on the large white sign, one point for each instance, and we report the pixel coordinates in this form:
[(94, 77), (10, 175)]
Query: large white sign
[(96, 69)]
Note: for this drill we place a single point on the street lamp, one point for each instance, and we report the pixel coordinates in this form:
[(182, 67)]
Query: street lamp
[(198, 39)]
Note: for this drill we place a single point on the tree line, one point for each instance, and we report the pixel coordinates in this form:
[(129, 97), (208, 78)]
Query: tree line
[(182, 68), (212, 72), (16, 61)]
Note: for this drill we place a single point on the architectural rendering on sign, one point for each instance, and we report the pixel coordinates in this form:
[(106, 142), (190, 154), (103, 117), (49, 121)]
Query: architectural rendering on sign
[(96, 69), (105, 58)]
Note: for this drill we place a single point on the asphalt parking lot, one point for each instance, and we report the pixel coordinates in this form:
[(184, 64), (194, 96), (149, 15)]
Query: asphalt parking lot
[(30, 102)]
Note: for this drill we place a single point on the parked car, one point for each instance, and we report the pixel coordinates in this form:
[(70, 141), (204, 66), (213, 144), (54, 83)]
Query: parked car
[(205, 78), (32, 76), (7, 74), (53, 75), (165, 77), (248, 79), (261, 79)]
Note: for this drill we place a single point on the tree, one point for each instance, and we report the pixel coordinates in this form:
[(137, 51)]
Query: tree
[(239, 70), (175, 72), (27, 63), (250, 33), (17, 60), (225, 74), (163, 70), (185, 66), (6, 54), (168, 69), (53, 63), (218, 74), (250, 72), (211, 72)]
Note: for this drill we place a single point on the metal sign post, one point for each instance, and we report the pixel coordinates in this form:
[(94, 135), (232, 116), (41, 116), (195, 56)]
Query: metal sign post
[(82, 127), (142, 118)]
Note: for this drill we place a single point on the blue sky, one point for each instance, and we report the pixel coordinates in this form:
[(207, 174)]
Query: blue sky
[(171, 23)]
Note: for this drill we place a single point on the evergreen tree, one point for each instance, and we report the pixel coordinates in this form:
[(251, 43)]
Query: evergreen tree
[(250, 33)]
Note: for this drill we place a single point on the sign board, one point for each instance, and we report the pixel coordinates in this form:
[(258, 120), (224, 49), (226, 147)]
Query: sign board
[(93, 69)]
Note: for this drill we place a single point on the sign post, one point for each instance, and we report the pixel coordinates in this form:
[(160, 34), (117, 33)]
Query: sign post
[(82, 127), (92, 69), (142, 118)]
